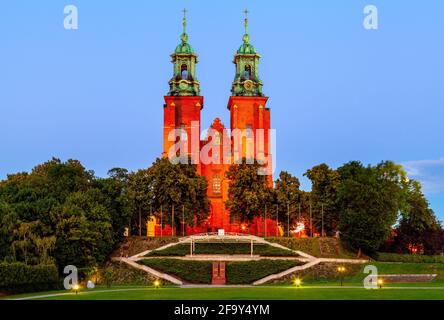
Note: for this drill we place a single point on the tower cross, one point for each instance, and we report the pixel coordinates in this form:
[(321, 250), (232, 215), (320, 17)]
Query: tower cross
[(184, 21), (246, 21)]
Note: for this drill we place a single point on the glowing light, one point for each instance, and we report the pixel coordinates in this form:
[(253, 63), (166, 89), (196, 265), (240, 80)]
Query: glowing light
[(76, 288), (297, 282), (157, 283), (341, 269), (300, 226), (380, 282)]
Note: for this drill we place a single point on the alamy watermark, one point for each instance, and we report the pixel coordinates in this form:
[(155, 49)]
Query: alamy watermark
[(371, 17), (71, 20), (226, 147)]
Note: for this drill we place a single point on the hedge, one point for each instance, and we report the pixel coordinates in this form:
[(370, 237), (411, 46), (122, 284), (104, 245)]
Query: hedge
[(413, 258), (189, 271), (18, 277), (246, 272)]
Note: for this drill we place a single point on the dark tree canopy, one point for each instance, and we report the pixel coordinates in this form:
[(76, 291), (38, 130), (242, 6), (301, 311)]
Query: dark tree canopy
[(248, 192), (418, 226), (178, 187), (59, 210), (369, 199), (325, 182)]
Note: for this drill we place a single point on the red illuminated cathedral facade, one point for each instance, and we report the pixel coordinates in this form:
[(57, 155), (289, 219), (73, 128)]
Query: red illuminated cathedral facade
[(248, 113)]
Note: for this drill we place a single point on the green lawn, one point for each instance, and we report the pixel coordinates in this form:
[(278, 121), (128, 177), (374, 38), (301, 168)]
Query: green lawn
[(250, 293)]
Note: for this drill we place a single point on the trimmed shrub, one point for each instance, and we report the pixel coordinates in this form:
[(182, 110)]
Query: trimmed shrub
[(188, 271), (413, 258), (250, 271), (18, 277)]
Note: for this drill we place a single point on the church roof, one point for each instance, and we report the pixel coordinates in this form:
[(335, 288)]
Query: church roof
[(184, 47), (246, 48)]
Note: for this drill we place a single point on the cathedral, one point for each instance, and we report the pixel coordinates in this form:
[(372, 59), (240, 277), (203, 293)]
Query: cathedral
[(248, 113)]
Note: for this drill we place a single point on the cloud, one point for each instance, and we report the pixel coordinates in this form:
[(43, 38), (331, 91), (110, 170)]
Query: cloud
[(429, 172)]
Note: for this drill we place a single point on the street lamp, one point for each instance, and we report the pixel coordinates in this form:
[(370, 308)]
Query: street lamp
[(157, 284), (297, 282), (76, 288), (380, 283), (341, 270)]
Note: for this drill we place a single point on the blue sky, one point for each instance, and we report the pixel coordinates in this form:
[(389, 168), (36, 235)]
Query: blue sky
[(337, 92)]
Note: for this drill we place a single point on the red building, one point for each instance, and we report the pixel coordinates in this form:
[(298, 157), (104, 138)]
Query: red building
[(214, 154)]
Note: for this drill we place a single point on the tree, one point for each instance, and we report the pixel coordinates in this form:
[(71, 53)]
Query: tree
[(84, 232), (325, 182), (140, 195), (248, 192), (369, 199), (289, 198), (38, 209), (175, 187), (119, 206), (418, 225)]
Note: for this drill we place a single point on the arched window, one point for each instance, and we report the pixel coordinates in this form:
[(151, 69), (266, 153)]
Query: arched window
[(216, 184), (247, 72), (184, 72)]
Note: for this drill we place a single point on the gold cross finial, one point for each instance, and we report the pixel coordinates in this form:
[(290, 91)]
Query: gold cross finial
[(246, 21), (184, 21)]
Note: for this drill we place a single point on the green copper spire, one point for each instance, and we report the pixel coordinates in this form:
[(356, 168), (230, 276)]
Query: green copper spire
[(246, 47), (246, 81), (184, 46), (184, 82)]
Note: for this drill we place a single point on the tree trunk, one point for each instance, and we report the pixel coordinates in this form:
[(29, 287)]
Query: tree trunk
[(140, 221)]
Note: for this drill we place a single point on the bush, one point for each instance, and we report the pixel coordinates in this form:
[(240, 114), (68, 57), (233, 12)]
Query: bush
[(119, 273), (107, 276), (188, 271), (413, 258), (18, 277)]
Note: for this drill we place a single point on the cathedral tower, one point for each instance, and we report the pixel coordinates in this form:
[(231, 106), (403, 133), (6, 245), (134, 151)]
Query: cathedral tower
[(247, 102), (183, 102)]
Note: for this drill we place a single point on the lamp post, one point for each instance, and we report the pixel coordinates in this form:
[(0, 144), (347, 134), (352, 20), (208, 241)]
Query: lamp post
[(76, 288), (380, 283), (341, 270), (156, 284)]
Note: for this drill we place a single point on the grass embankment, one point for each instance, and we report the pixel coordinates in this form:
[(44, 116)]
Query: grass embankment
[(326, 247), (199, 272), (412, 258), (135, 244), (223, 248)]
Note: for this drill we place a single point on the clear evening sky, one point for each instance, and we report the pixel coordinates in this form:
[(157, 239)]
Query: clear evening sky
[(337, 92)]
